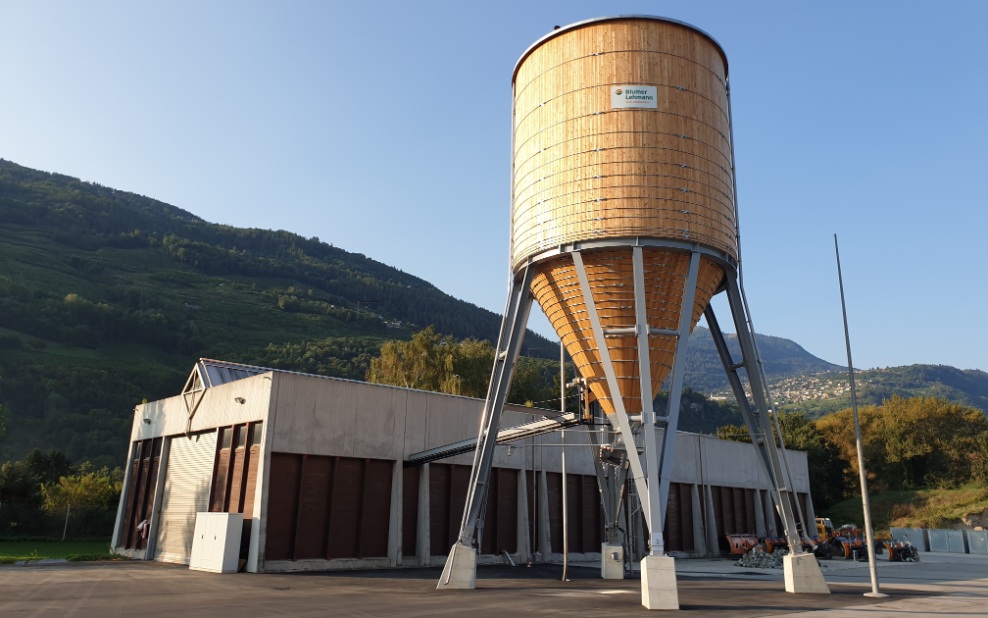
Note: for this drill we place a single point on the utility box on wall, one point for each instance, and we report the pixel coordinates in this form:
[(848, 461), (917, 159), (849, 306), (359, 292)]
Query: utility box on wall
[(216, 542)]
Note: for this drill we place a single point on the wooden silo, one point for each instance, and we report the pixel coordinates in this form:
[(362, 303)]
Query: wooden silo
[(622, 137)]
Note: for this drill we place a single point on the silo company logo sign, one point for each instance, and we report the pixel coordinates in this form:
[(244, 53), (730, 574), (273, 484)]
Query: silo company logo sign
[(634, 96)]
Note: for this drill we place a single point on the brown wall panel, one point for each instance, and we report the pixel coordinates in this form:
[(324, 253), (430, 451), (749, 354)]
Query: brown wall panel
[(439, 510), (673, 533), (282, 505), (346, 500), (313, 507), (376, 509), (554, 487)]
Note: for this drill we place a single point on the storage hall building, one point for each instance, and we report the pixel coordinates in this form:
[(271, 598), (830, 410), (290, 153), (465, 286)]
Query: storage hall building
[(319, 468)]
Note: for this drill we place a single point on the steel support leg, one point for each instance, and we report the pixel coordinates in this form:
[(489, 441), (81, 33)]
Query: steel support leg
[(461, 565), (671, 419), (802, 573), (658, 572)]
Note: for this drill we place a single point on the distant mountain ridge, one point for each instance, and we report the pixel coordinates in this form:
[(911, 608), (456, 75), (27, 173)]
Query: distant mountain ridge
[(107, 298)]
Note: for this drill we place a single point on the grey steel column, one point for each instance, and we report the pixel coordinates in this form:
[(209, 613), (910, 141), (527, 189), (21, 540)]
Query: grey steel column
[(656, 507), (762, 420), (638, 474), (671, 420), (508, 347)]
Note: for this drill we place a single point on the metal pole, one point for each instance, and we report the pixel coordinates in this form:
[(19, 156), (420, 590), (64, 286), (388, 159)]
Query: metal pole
[(562, 408), (869, 535)]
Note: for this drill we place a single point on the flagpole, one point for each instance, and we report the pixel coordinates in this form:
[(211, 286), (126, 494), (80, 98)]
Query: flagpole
[(869, 533)]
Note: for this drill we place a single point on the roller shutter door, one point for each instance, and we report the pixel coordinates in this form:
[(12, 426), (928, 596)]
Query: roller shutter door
[(187, 482)]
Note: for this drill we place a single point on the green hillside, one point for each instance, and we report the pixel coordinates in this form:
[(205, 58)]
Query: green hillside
[(107, 298), (823, 393)]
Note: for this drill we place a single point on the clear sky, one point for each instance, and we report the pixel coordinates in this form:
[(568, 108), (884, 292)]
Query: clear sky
[(384, 129)]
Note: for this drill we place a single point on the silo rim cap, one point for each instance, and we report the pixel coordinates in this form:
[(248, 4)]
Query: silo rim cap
[(560, 30)]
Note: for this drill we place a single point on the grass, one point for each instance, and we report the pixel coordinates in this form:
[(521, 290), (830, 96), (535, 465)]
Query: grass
[(16, 551), (923, 508)]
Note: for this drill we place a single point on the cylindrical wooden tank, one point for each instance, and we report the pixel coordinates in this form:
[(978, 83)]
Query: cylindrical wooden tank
[(622, 137)]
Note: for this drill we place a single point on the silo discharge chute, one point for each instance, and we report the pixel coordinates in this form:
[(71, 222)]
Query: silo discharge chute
[(623, 228)]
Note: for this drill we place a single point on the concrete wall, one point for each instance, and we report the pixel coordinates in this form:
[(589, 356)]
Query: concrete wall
[(218, 408)]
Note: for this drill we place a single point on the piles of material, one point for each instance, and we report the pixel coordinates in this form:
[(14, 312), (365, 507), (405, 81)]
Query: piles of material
[(757, 558)]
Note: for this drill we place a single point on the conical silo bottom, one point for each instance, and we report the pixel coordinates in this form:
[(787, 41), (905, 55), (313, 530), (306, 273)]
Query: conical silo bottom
[(610, 273)]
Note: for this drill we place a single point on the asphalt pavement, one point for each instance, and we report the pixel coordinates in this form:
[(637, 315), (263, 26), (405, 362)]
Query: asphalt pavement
[(938, 585)]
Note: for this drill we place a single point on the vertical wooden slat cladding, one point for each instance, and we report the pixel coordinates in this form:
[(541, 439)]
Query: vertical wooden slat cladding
[(740, 521), (593, 515), (221, 474), (282, 505), (141, 490), (250, 485), (345, 506), (313, 507), (439, 510), (459, 485), (749, 509), (235, 469), (673, 533), (507, 510), (133, 489), (718, 509), (409, 510), (488, 534), (583, 512), (554, 489), (234, 502), (501, 513), (685, 515), (376, 509)]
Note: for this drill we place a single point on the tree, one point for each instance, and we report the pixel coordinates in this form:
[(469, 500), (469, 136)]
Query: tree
[(824, 461), (440, 363), (910, 443), (89, 489)]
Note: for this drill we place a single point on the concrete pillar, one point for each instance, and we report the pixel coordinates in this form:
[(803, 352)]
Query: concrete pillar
[(810, 516), (769, 503), (699, 540), (524, 522), (124, 496), (423, 540), (394, 521), (545, 539), (713, 546), (760, 528)]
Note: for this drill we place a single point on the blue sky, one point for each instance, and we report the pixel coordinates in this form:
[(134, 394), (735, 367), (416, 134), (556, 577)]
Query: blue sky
[(384, 129)]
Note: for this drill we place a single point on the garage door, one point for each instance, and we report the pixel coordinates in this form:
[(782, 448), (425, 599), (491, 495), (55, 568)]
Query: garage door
[(187, 481)]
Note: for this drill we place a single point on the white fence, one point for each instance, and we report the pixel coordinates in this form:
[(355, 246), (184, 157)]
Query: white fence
[(949, 541), (977, 541)]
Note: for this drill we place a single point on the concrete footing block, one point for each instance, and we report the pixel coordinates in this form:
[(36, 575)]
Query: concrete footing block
[(659, 583), (460, 572), (611, 561), (802, 574)]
